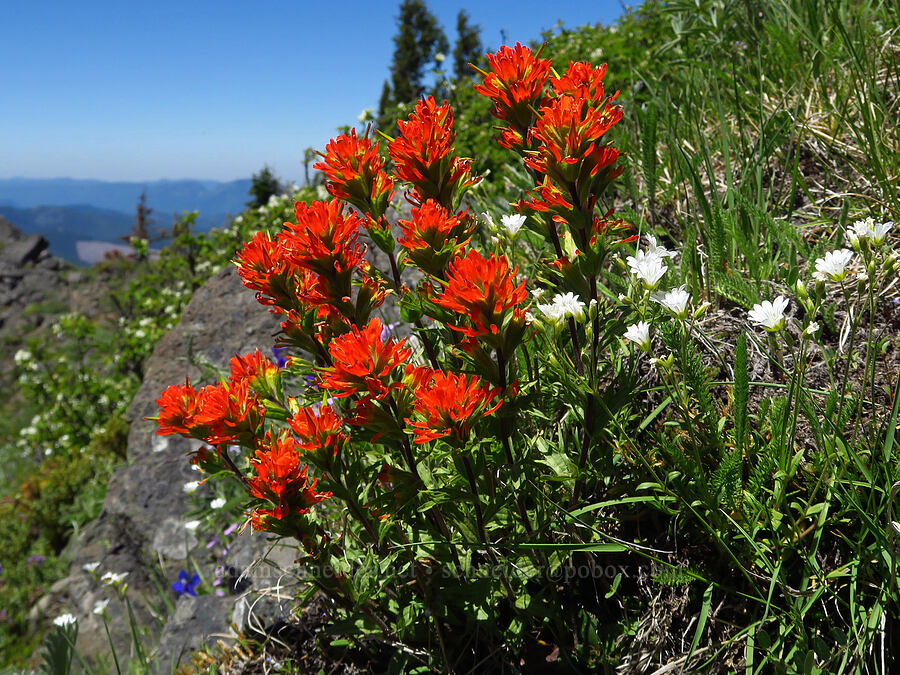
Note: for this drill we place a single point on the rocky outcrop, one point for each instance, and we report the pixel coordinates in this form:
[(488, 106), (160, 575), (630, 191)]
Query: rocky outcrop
[(28, 274), (141, 530)]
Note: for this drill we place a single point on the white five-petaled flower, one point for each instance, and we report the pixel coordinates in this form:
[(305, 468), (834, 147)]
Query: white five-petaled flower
[(512, 224), (770, 315), (639, 333), (113, 579), (191, 486), (64, 620), (90, 567), (811, 329), (100, 606), (217, 503), (192, 525), (868, 229), (562, 306), (648, 267), (834, 265), (654, 248), (676, 301)]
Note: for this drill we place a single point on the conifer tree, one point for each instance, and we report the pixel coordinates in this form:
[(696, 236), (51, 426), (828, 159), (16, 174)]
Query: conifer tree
[(264, 185), (418, 41), (468, 47)]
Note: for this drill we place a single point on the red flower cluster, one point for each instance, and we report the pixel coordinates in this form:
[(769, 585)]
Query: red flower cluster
[(320, 432), (263, 376), (448, 406), (178, 408), (484, 292), (515, 85), (264, 268), (570, 151), (434, 236), (221, 413), (423, 155), (565, 144), (354, 172), (581, 80), (307, 272), (365, 363), (280, 481), (324, 241)]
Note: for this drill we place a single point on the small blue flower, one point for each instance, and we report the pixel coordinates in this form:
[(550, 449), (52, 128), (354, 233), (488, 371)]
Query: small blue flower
[(186, 584), (280, 358)]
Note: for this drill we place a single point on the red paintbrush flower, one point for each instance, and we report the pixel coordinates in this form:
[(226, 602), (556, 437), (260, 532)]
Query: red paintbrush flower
[(449, 405), (280, 480), (263, 376), (324, 241), (354, 172), (434, 236), (178, 407), (546, 198), (581, 80), (484, 292), (515, 84), (570, 150), (251, 367), (364, 362), (265, 268), (423, 154), (321, 434), (231, 412)]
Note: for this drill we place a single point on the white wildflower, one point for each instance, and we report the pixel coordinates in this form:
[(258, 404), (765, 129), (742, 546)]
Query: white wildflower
[(488, 219), (833, 265), (655, 249), (770, 315), (562, 306), (676, 301), (811, 329), (513, 223), (365, 115), (868, 229), (100, 606), (648, 267), (113, 579), (64, 620), (192, 525), (90, 567), (191, 486), (639, 333), (217, 503)]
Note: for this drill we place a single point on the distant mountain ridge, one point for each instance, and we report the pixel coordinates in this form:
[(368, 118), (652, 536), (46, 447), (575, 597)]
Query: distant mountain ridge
[(165, 197), (69, 210), (64, 226)]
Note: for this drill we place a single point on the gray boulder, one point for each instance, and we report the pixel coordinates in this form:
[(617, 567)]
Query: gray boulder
[(141, 529)]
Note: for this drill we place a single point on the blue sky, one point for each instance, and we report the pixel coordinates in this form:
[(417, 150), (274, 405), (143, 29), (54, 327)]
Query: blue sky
[(193, 89)]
